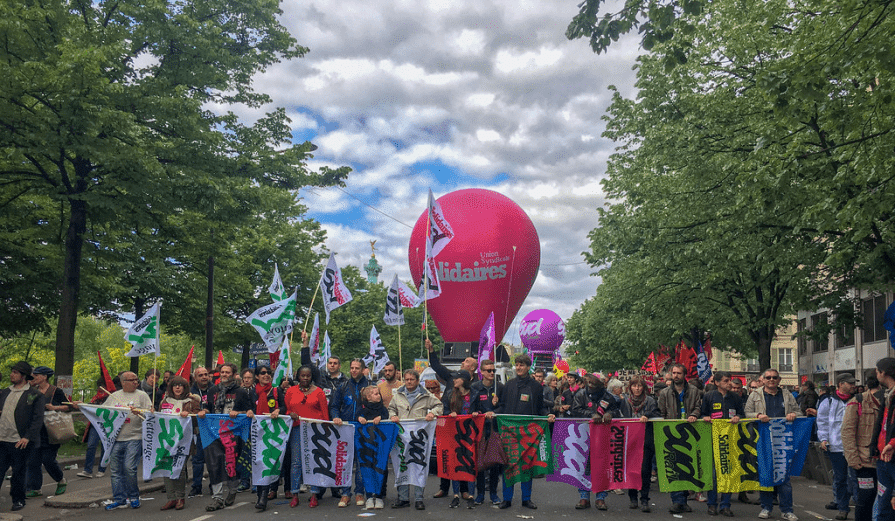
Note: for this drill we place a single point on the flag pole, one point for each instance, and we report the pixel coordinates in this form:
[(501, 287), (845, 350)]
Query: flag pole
[(155, 372), (310, 309), (400, 355), (425, 277)]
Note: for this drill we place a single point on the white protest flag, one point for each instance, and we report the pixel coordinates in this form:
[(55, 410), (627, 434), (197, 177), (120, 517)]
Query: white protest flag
[(327, 453), (274, 321), (410, 455), (335, 293), (144, 333), (327, 352), (277, 289), (430, 285), (394, 311), (269, 439), (314, 341), (284, 367), (377, 355), (409, 299), (166, 445), (440, 231), (108, 423)]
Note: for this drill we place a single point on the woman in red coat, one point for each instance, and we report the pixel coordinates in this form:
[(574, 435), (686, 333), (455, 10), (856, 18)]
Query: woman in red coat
[(303, 400)]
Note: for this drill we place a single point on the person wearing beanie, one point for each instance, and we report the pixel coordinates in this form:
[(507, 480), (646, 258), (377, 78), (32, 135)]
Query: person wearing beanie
[(21, 419)]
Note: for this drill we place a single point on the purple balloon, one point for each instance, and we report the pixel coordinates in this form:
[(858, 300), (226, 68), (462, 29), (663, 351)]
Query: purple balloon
[(542, 331)]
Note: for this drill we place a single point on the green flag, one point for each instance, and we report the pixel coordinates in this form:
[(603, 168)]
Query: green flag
[(526, 443), (684, 455)]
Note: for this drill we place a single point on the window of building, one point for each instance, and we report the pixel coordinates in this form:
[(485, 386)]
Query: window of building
[(752, 365), (845, 337), (819, 322), (784, 360), (801, 339), (874, 311)]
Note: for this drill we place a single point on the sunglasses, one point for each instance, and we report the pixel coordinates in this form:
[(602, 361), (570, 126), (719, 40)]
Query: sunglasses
[(771, 377), (262, 373), (487, 370)]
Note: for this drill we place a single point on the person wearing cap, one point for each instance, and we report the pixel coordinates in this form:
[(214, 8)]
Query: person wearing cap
[(458, 400), (829, 432), (45, 455), (21, 418), (772, 402)]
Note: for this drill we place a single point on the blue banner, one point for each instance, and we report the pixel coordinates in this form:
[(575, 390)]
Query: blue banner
[(372, 445), (213, 425), (782, 448)]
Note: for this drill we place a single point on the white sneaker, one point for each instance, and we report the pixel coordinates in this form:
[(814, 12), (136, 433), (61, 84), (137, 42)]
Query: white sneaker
[(100, 474), (789, 516), (83, 474), (304, 489), (370, 504), (764, 514), (380, 504)]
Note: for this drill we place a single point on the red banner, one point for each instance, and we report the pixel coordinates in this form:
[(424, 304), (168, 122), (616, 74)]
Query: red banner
[(456, 439), (616, 455)]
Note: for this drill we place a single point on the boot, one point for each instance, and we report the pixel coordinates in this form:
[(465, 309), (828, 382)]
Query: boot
[(261, 505)]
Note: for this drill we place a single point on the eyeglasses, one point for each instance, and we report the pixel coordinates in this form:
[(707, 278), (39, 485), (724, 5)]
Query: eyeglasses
[(487, 370), (262, 373), (771, 377), (131, 379)]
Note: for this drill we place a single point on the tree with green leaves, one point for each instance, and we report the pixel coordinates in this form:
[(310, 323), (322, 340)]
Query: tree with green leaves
[(106, 111)]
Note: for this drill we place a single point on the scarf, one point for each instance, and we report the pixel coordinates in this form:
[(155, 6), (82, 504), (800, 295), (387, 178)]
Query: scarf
[(263, 404), (222, 405), (637, 403), (413, 396)]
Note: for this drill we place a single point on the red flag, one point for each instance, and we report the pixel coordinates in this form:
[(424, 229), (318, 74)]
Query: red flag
[(650, 364), (187, 368), (686, 356), (107, 378), (221, 360), (707, 347), (456, 439)]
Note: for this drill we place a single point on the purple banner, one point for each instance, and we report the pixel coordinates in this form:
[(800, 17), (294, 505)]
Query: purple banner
[(571, 449)]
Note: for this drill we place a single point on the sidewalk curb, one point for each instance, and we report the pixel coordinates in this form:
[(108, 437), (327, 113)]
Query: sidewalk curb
[(84, 499)]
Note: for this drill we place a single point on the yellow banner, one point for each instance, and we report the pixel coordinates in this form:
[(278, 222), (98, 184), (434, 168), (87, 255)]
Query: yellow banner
[(736, 455)]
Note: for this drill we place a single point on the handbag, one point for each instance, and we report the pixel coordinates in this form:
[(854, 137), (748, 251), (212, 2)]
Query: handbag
[(490, 452), (60, 426)]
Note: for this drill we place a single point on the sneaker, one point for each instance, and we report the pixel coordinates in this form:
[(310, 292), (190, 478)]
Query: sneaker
[(701, 497), (195, 493), (842, 515), (116, 504), (789, 516), (243, 487), (33, 493), (455, 502), (370, 504), (101, 473), (85, 474), (303, 489), (379, 504), (135, 503), (359, 500), (726, 512), (60, 487), (764, 514), (677, 508)]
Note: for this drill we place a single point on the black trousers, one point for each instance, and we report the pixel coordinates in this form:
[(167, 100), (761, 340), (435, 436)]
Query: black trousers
[(10, 456), (866, 493)]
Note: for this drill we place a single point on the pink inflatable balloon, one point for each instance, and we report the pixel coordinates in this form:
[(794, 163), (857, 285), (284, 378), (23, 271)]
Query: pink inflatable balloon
[(542, 331), (489, 265)]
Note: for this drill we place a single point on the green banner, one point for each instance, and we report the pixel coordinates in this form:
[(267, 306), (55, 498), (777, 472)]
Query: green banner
[(526, 443), (684, 455)]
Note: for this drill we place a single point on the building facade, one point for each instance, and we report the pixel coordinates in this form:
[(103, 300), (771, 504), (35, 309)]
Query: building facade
[(783, 359)]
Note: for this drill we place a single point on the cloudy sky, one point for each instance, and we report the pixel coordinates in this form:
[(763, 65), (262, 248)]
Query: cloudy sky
[(450, 95)]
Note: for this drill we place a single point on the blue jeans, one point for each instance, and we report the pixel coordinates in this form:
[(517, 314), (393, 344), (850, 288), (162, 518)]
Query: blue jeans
[(295, 477), (784, 491), (679, 498), (125, 457), (882, 507), (713, 498), (198, 464), (508, 490), (840, 480), (584, 493), (404, 493), (90, 456)]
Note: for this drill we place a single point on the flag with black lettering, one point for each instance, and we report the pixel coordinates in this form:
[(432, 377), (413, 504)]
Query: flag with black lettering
[(456, 441), (410, 455), (683, 455), (782, 448), (108, 423), (276, 289), (327, 453), (440, 231), (326, 354), (394, 311), (269, 439), (222, 439), (166, 445), (377, 354), (616, 452), (274, 322), (373, 445), (571, 452), (409, 299), (144, 334), (736, 455), (335, 293), (527, 445)]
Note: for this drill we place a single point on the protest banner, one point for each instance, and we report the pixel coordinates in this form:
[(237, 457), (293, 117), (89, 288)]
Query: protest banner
[(782, 448), (223, 438), (166, 445), (736, 457), (327, 453), (269, 439), (571, 453), (616, 455), (525, 442), (456, 440), (683, 455), (373, 444), (410, 455), (108, 423)]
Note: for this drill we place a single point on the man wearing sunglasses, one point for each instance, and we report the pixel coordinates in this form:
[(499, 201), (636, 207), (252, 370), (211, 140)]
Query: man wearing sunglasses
[(764, 404), (488, 391)]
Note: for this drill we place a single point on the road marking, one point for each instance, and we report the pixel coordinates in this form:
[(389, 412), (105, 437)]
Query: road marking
[(202, 518), (242, 503)]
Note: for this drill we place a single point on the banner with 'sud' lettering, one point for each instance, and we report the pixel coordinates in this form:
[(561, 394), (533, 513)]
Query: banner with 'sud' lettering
[(525, 442), (410, 455), (456, 440), (571, 453), (616, 455), (736, 455), (683, 455), (327, 453), (166, 445), (269, 439), (782, 448), (108, 424), (373, 444)]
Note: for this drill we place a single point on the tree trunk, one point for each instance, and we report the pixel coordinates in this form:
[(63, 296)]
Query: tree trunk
[(209, 316), (765, 337), (71, 288)]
